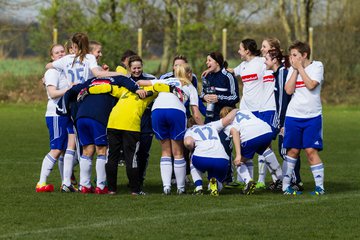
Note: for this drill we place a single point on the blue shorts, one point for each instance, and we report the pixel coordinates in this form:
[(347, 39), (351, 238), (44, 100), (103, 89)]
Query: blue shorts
[(58, 131), (256, 145), (215, 167), (256, 113), (168, 124), (91, 131), (270, 118), (301, 133)]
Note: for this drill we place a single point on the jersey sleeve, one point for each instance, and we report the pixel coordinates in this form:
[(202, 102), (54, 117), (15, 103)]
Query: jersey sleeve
[(237, 71), (92, 61), (291, 70), (318, 72), (60, 64), (188, 133), (194, 99), (227, 129), (217, 125), (52, 77), (126, 82)]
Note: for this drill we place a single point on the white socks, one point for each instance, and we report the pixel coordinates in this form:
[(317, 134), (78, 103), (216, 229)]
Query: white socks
[(47, 166), (68, 166), (262, 168), (85, 171), (273, 164), (288, 167), (244, 173), (318, 173), (250, 166), (196, 176), (61, 167), (180, 172), (166, 171), (100, 171)]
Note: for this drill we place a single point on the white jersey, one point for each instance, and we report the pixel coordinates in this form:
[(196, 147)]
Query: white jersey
[(306, 103), (248, 125), (79, 72), (268, 96), (57, 79), (169, 100), (251, 74), (207, 140)]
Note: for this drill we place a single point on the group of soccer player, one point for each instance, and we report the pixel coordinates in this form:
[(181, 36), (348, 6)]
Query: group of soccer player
[(92, 111)]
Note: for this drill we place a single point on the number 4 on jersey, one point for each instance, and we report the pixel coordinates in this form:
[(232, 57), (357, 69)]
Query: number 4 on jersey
[(240, 116)]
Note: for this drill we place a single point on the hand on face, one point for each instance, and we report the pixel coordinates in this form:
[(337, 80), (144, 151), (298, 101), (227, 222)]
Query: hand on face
[(295, 62)]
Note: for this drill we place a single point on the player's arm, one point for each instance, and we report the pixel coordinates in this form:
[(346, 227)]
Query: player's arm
[(163, 87), (144, 83), (99, 72), (196, 115), (54, 92), (49, 65), (237, 143), (229, 118), (309, 83)]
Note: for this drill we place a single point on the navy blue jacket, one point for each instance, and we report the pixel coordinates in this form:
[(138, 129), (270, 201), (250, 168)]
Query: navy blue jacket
[(94, 106), (227, 91), (282, 99)]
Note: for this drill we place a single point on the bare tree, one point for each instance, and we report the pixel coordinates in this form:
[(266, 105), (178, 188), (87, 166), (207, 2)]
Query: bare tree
[(169, 24), (296, 27)]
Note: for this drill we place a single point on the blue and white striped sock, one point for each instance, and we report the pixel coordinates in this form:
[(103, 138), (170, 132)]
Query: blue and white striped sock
[(68, 166), (61, 167), (288, 167), (166, 171), (250, 166), (273, 164), (180, 172), (244, 173), (46, 167), (100, 171), (196, 176), (85, 171), (318, 173), (262, 168)]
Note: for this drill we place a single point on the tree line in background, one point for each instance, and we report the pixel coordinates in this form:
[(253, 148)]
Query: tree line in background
[(194, 28)]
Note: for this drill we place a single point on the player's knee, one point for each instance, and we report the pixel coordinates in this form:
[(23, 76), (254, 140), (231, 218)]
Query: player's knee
[(293, 152), (189, 143), (312, 156)]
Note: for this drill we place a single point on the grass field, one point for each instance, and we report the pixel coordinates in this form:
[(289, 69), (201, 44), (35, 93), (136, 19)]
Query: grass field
[(29, 215)]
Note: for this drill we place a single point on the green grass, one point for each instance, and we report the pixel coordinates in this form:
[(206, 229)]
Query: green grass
[(29, 215), (22, 67)]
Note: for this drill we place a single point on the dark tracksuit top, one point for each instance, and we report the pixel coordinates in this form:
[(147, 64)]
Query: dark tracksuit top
[(282, 99), (227, 91)]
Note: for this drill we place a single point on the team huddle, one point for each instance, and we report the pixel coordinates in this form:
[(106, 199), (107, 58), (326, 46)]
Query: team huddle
[(113, 115)]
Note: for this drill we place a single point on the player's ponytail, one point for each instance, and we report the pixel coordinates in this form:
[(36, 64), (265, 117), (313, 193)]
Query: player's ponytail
[(276, 53), (81, 40), (250, 44), (183, 72)]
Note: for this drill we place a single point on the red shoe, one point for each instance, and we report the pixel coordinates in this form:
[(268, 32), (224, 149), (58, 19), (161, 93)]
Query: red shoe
[(87, 190), (101, 191), (43, 187)]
